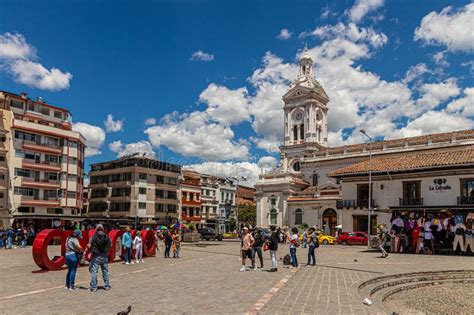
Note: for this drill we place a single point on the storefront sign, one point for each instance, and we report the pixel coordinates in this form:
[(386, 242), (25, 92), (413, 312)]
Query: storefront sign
[(42, 240), (440, 185)]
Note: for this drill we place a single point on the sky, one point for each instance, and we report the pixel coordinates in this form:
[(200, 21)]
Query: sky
[(200, 83)]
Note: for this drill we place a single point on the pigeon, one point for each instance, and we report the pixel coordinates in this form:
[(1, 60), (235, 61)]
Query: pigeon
[(126, 312), (355, 260)]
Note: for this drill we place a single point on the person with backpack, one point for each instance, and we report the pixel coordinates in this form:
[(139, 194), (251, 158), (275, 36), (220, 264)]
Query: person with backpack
[(99, 247), (73, 249), (257, 246), (127, 245), (313, 243), (273, 247), (294, 244)]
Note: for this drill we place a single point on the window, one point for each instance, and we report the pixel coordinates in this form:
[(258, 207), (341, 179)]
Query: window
[(160, 179), (159, 207), (99, 193), (363, 195), (26, 209), (171, 208), (1, 195), (23, 173), (119, 206), (121, 191), (142, 190), (25, 136), (273, 217), (2, 176), (142, 176), (51, 159), (58, 114), (142, 205), (172, 195), (2, 158), (467, 191), (44, 110), (53, 177), (54, 211), (72, 177), (31, 192), (16, 104), (295, 132), (159, 193), (412, 193), (296, 166), (98, 206), (71, 194), (315, 180), (273, 202), (302, 131), (72, 144), (171, 181), (298, 217), (3, 138)]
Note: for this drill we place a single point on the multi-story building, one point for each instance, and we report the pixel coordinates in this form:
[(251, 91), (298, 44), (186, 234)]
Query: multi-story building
[(190, 189), (210, 202), (134, 189), (41, 163), (226, 193), (244, 196), (328, 187)]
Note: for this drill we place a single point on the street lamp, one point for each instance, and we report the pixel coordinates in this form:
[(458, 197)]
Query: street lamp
[(362, 131)]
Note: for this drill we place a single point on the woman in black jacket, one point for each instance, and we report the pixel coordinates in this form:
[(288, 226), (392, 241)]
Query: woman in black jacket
[(273, 247)]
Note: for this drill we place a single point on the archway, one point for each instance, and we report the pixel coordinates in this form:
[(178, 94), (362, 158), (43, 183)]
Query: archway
[(273, 217), (329, 221)]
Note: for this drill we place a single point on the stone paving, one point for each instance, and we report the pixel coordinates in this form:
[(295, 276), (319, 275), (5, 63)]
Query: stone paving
[(207, 281)]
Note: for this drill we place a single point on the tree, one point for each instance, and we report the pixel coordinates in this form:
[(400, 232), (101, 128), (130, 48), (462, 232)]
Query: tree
[(247, 215)]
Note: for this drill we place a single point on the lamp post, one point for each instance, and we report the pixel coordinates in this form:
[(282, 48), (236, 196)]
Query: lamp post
[(362, 131)]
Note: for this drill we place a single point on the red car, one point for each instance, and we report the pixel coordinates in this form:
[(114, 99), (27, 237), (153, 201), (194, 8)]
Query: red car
[(352, 238)]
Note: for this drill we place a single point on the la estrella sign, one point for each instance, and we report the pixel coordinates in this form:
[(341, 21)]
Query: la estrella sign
[(440, 184)]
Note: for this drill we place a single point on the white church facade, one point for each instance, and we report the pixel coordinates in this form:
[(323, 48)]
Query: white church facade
[(327, 187)]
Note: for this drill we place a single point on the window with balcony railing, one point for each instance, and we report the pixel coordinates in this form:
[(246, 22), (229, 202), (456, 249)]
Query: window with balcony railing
[(411, 194)]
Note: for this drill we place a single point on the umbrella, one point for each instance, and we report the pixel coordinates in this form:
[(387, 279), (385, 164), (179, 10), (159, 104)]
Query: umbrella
[(162, 227)]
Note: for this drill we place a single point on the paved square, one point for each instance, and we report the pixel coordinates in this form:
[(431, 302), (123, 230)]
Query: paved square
[(207, 281)]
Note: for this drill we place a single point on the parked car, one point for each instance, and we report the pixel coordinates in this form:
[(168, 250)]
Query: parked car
[(352, 238), (325, 239), (210, 234)]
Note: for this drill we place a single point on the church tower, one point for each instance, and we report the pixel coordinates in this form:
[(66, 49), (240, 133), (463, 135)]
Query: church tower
[(305, 117)]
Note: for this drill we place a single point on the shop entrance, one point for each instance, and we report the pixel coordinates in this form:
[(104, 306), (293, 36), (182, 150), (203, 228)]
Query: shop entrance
[(360, 223), (329, 221)]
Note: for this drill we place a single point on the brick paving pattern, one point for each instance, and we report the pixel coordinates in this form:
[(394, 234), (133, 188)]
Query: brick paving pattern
[(207, 281)]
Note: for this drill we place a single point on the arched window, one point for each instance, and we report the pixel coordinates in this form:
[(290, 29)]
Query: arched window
[(295, 132), (298, 217), (296, 166), (302, 132), (315, 179), (273, 217)]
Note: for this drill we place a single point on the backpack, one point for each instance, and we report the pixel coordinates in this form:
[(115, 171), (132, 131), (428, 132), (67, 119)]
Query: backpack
[(100, 243), (287, 259)]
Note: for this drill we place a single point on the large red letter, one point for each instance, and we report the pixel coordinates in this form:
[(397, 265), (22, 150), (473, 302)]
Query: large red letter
[(40, 249), (149, 244)]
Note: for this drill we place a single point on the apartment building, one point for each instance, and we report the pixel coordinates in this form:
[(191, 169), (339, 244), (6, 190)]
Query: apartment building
[(134, 189), (226, 193), (244, 196), (210, 201), (41, 163), (190, 188)]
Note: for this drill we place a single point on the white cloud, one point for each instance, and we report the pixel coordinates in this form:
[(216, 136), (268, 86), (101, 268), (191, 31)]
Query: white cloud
[(141, 147), (95, 137), (150, 121), (463, 105), (451, 27), (351, 32), (440, 59), (224, 105), (267, 162), (17, 59), (284, 34), (112, 125), (434, 94), (270, 143), (362, 7), (14, 46), (201, 56), (414, 73), (196, 134)]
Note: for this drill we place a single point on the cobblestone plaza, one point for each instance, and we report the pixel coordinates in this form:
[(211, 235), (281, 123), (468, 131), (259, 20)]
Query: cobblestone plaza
[(207, 281)]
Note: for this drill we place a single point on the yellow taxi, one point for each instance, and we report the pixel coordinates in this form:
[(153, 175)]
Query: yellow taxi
[(325, 239)]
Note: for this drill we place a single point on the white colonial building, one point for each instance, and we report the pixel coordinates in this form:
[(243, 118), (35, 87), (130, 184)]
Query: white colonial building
[(315, 184)]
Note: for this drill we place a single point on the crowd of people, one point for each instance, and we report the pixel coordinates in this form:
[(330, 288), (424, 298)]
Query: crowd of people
[(443, 232), (96, 252), (255, 242), (16, 238)]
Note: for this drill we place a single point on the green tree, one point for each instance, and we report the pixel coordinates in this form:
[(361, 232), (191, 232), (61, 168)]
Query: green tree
[(247, 215)]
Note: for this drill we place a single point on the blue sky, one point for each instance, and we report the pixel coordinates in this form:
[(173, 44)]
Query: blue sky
[(397, 68)]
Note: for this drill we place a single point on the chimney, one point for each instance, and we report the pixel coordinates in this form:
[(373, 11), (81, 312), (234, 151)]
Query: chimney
[(23, 95), (40, 99)]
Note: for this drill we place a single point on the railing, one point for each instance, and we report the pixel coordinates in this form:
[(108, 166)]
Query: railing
[(465, 200), (410, 201), (364, 203), (345, 204)]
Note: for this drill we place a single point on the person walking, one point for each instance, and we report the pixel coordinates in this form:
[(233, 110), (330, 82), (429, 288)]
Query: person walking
[(73, 249), (294, 244), (99, 247), (383, 236), (313, 242), (138, 245), (273, 247), (257, 246), (127, 245), (168, 242), (246, 248)]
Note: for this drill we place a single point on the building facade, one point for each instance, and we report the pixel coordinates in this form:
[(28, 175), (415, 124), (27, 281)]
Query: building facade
[(134, 189), (190, 188), (244, 196), (210, 201), (226, 193), (41, 163), (306, 187)]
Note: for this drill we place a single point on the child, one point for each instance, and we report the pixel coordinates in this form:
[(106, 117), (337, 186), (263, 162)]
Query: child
[(138, 244)]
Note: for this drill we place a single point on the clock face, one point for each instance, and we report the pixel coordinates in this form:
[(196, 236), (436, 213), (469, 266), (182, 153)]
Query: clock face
[(298, 116)]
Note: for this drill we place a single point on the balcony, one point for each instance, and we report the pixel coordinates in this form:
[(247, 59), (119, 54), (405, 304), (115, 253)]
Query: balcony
[(36, 201), (465, 200), (410, 201), (193, 218), (359, 203), (41, 166), (40, 183), (185, 201), (42, 147)]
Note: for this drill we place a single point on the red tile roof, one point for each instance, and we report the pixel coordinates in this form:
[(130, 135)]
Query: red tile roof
[(408, 162)]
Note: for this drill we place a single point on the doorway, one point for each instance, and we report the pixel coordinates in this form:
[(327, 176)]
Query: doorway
[(329, 221)]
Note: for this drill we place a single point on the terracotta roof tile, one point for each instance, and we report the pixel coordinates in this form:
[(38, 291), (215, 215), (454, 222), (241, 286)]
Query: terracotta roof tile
[(408, 162)]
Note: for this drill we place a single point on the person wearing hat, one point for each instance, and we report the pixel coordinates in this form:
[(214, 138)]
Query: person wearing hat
[(246, 248), (99, 247), (73, 249)]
